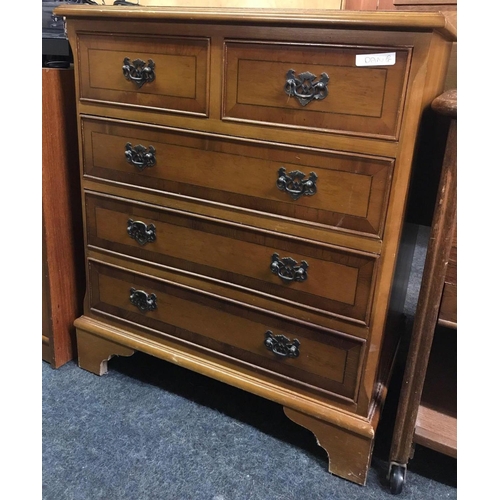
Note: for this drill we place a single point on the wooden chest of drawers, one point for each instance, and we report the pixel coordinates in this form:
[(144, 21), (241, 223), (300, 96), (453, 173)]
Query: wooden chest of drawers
[(244, 180)]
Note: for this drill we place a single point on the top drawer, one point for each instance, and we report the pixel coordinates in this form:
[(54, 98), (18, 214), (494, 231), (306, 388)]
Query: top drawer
[(316, 86), (166, 73)]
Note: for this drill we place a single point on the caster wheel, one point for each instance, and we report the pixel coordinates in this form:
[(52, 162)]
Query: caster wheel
[(397, 479)]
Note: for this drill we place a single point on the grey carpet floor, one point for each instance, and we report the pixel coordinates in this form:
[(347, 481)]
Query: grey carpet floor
[(150, 430)]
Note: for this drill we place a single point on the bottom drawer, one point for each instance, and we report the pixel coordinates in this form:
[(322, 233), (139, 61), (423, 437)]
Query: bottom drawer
[(322, 358)]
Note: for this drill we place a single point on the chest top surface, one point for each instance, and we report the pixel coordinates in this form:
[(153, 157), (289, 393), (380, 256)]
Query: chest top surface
[(308, 17)]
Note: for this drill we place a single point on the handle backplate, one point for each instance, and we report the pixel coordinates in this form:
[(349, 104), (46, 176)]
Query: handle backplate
[(288, 269), (139, 71), (296, 184), (304, 88), (141, 232), (142, 300), (140, 156), (282, 346)]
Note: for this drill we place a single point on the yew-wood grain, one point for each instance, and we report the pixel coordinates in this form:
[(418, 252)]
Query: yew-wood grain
[(200, 215)]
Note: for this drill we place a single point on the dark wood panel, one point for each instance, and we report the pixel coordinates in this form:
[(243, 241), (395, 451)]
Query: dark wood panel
[(436, 424), (427, 403), (448, 308)]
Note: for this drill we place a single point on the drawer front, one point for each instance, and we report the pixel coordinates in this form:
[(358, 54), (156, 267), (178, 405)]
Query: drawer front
[(339, 283), (325, 359), (313, 86), (345, 192), (166, 73)]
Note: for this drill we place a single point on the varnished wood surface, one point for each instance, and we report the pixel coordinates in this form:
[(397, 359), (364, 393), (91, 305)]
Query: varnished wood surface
[(327, 360), (412, 5), (447, 103), (300, 17), (448, 307), (361, 100), (436, 430), (352, 191), (180, 68), (62, 272), (348, 455), (214, 301), (419, 370), (131, 104), (95, 352), (436, 422), (447, 7), (425, 3), (260, 302), (261, 4), (237, 256), (270, 223), (226, 369)]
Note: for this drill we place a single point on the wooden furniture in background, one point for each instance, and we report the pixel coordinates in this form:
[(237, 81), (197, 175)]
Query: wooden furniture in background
[(256, 4), (447, 7), (423, 5), (243, 217), (425, 180), (427, 410), (63, 277)]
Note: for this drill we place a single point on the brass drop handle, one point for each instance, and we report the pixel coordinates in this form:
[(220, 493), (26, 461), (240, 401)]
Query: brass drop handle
[(141, 232), (140, 156), (304, 88), (288, 269), (281, 345), (296, 184), (138, 71), (143, 301)]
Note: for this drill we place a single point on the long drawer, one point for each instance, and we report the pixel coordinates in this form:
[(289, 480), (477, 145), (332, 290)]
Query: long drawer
[(337, 88), (342, 191), (157, 72), (311, 276), (324, 359)]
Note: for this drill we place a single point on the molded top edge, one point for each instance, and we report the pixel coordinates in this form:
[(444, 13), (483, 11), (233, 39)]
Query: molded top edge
[(418, 21)]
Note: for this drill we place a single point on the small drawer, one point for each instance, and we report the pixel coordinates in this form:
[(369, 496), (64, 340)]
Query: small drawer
[(313, 277), (322, 358), (345, 192), (165, 73), (315, 86)]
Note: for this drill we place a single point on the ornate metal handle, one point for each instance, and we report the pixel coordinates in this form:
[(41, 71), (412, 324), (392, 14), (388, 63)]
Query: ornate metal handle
[(142, 300), (295, 184), (281, 345), (138, 71), (140, 232), (288, 269), (304, 89), (139, 156)]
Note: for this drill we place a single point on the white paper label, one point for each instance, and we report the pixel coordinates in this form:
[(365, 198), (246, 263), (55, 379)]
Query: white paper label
[(387, 59)]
